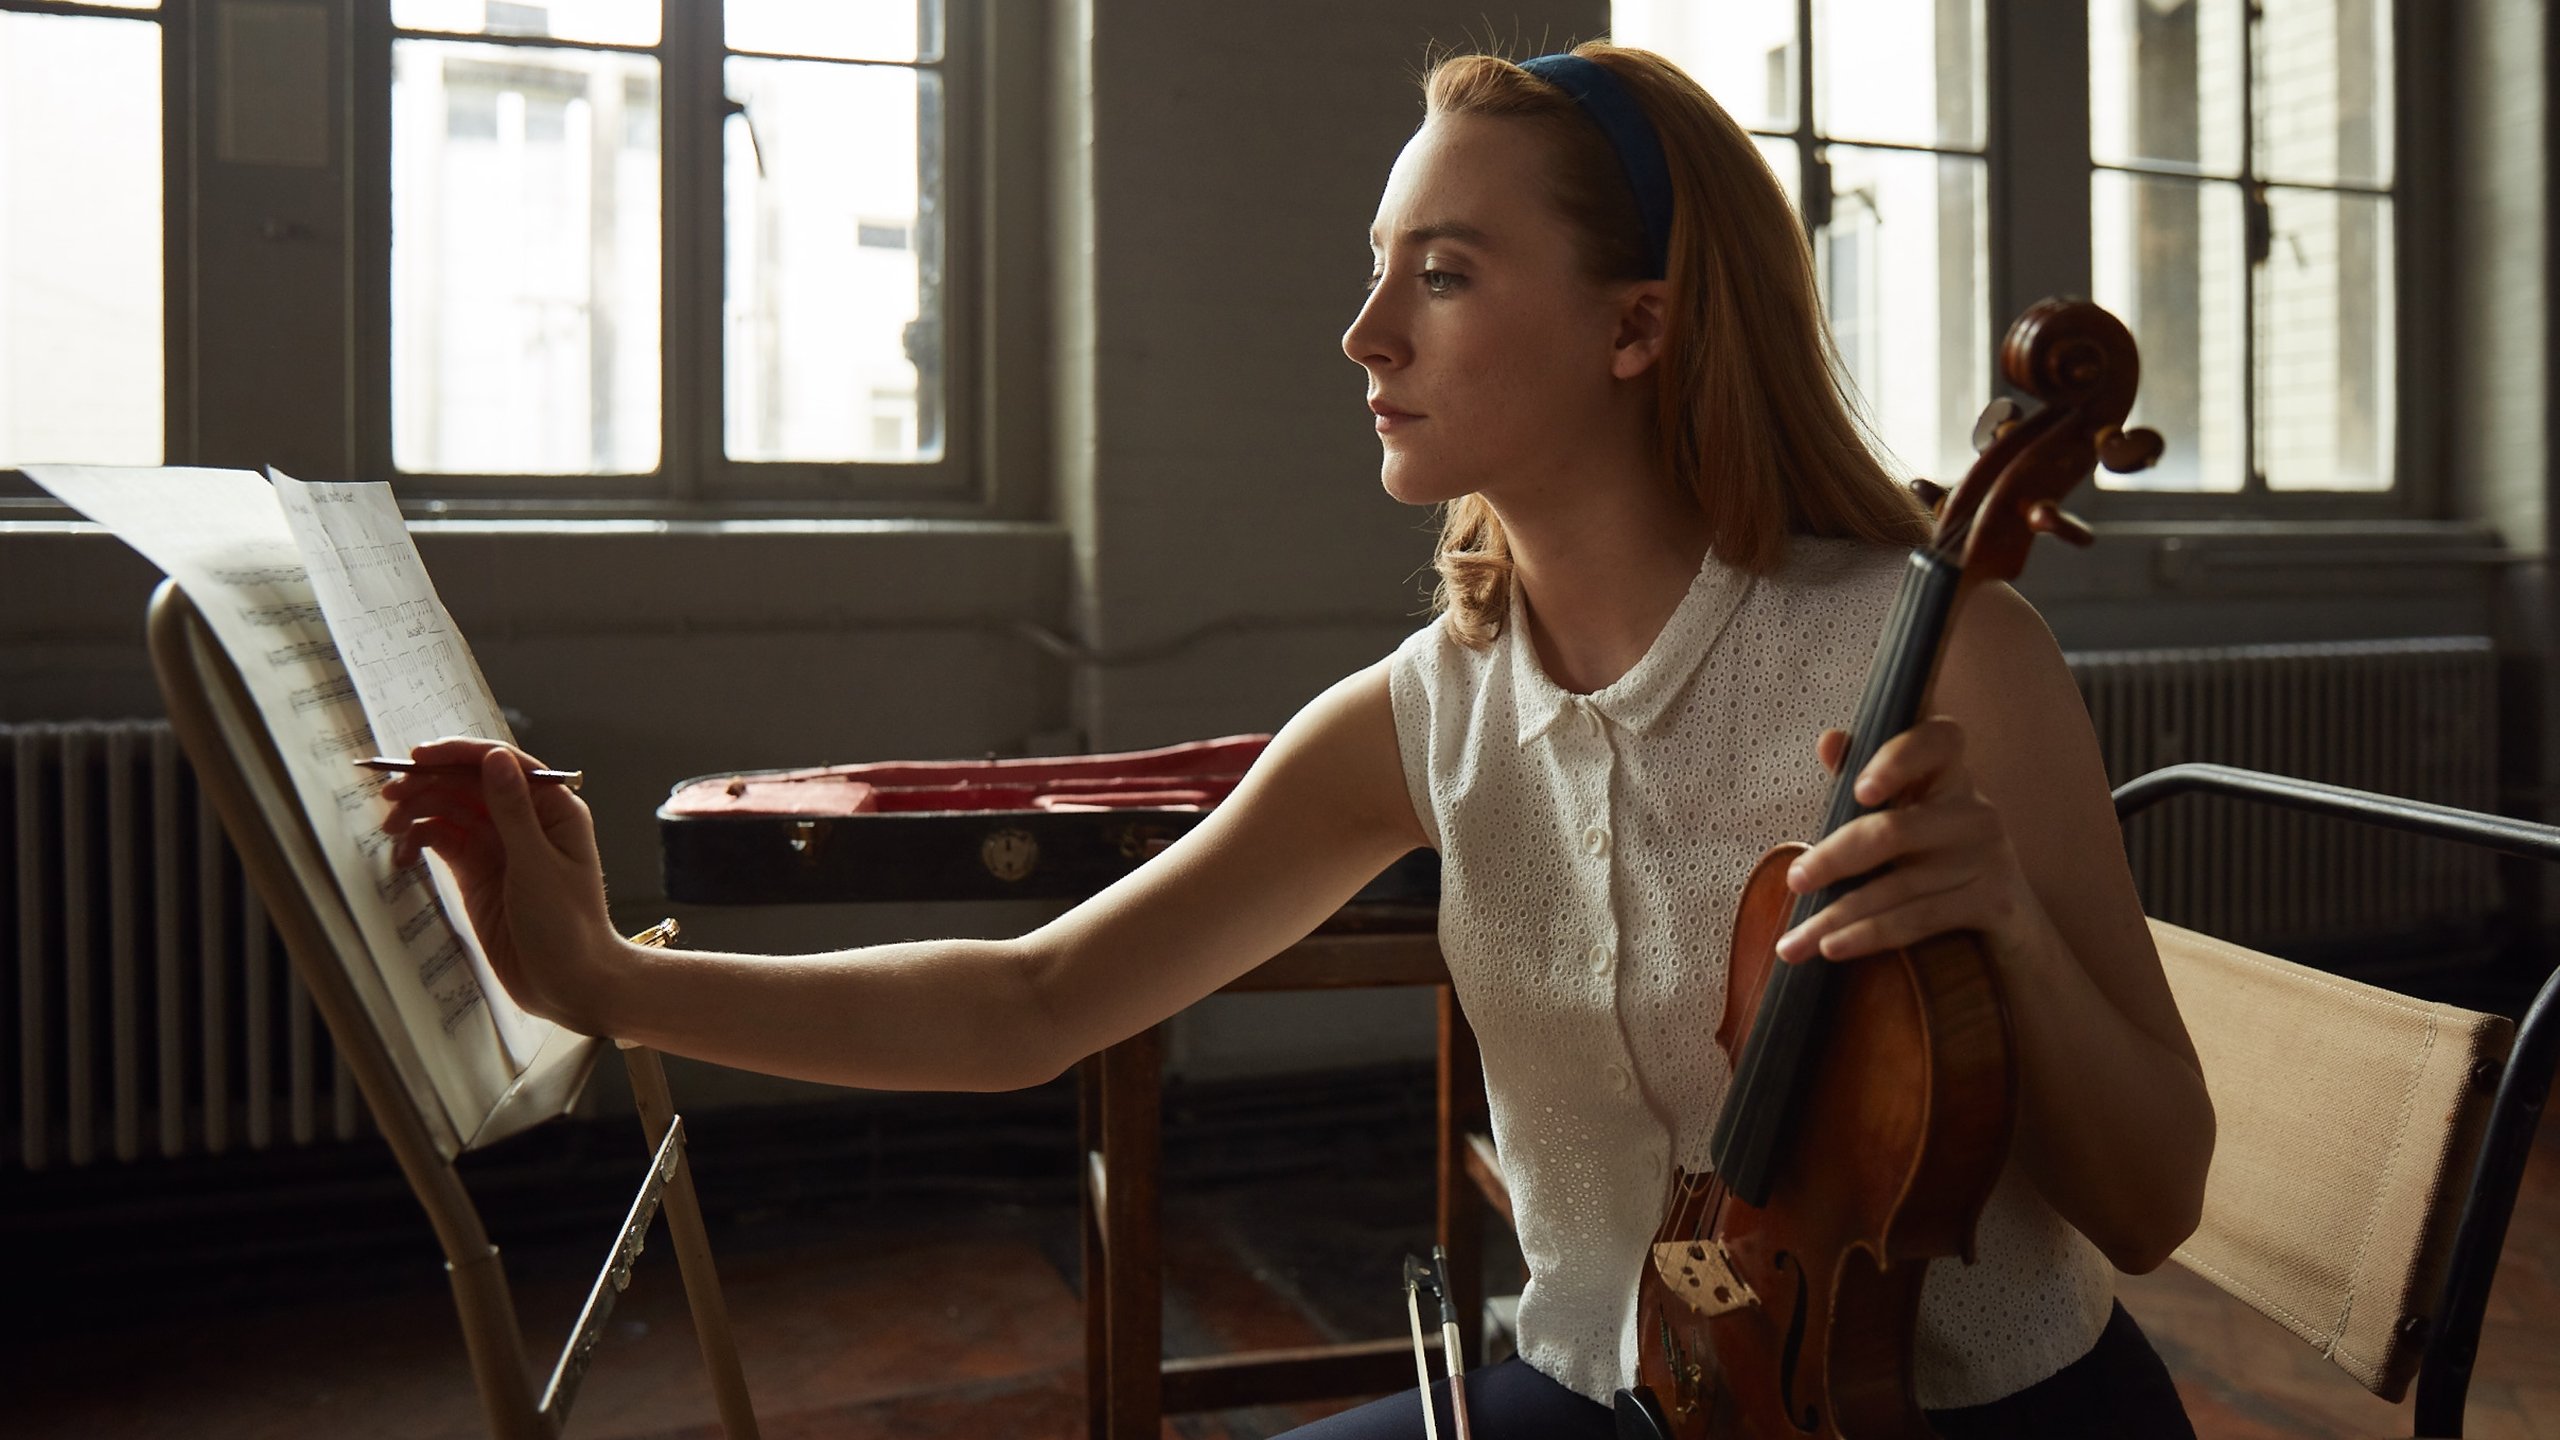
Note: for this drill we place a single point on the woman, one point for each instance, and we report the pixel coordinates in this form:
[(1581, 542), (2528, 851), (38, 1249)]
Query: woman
[(1592, 335)]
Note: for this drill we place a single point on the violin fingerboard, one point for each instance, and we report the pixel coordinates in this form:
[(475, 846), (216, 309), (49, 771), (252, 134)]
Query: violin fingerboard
[(1779, 1055)]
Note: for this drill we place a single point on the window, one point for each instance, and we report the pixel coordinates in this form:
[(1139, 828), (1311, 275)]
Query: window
[(551, 166), (2241, 223), (1892, 152), (525, 218), (2239, 160), (562, 257), (83, 359)]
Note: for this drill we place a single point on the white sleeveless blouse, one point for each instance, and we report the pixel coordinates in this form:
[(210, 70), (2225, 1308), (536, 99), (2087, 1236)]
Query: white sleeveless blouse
[(1593, 850)]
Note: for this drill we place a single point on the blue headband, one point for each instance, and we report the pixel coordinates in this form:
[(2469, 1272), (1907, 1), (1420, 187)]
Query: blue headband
[(1607, 102)]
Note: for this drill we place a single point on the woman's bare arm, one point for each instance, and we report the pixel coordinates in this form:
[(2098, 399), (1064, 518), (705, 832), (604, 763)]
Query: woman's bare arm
[(2114, 1125), (1320, 814)]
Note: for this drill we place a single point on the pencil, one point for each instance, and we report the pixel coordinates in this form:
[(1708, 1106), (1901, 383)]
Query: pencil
[(571, 778)]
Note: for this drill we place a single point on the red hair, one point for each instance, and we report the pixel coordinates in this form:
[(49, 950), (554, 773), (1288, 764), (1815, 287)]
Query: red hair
[(1752, 420)]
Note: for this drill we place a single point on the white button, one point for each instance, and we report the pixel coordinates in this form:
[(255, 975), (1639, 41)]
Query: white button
[(1596, 840), (1619, 1079), (1601, 958), (1653, 1164)]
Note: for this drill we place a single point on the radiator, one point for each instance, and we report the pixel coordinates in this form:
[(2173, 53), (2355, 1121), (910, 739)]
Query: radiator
[(155, 1013), (2411, 718)]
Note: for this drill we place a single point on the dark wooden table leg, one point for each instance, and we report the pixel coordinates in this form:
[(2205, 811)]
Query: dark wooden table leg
[(1133, 1262), (1097, 1333), (1461, 1229)]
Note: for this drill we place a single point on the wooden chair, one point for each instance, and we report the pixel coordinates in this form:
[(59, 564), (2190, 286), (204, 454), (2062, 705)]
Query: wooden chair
[(1129, 1385), (201, 688), (2369, 1145)]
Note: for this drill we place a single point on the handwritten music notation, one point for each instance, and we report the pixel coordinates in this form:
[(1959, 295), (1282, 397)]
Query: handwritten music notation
[(359, 796), (274, 617), (416, 925), (247, 576), (323, 649), (223, 536), (393, 885), (333, 690), (356, 739), (441, 960), (405, 660)]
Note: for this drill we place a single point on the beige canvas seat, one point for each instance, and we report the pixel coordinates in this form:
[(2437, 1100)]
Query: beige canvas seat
[(2348, 1119), (2369, 1144)]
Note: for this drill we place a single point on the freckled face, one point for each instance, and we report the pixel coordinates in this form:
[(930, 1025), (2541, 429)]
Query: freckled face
[(1487, 348)]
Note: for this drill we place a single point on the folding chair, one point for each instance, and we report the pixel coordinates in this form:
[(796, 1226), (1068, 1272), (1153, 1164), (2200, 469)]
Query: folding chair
[(2370, 1145), (232, 762)]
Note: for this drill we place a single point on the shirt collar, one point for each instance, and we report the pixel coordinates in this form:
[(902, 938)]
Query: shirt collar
[(1637, 699)]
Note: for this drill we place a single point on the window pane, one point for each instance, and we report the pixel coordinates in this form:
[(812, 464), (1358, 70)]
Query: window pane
[(524, 260), (1742, 51), (2166, 256), (873, 30), (1781, 155), (2323, 77), (833, 309), (2164, 83), (1904, 273), (599, 22), (1899, 70), (2325, 362), (81, 321)]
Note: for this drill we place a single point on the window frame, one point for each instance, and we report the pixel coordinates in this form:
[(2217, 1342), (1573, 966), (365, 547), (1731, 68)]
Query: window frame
[(695, 478), (2039, 167)]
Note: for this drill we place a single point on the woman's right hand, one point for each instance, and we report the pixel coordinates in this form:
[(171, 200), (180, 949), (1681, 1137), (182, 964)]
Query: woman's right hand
[(524, 856)]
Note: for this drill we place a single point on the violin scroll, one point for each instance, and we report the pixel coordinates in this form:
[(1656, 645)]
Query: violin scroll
[(2046, 518), (2125, 451), (2081, 363)]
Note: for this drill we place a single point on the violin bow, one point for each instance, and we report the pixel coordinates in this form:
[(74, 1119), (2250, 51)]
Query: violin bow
[(1416, 1276), (1433, 1276)]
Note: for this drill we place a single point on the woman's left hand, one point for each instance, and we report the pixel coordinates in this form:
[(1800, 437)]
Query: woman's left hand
[(1945, 859)]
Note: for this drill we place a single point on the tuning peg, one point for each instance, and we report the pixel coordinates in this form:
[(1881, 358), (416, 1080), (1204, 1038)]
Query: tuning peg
[(1931, 493), (1997, 416), (2125, 451), (2047, 518)]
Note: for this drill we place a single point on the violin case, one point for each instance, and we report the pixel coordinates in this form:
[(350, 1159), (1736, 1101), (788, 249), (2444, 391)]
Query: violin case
[(1047, 827)]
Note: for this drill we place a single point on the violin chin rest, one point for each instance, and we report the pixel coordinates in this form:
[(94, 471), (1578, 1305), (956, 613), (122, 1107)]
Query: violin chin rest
[(1639, 1415)]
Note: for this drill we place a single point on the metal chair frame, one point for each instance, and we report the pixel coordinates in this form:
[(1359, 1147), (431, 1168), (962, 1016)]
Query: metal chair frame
[(2489, 1201)]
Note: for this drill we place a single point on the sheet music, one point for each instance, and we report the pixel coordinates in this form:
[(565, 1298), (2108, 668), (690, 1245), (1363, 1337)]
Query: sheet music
[(409, 666), (221, 535)]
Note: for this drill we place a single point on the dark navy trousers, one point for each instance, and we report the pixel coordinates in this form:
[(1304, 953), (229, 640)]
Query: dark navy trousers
[(2118, 1391)]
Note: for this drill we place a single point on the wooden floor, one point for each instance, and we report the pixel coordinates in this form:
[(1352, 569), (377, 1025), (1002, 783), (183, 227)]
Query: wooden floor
[(956, 1318)]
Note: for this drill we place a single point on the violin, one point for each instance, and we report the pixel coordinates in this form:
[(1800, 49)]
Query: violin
[(1871, 1105)]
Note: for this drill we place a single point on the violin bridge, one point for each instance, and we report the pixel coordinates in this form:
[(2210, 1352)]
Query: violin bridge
[(1700, 1273)]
